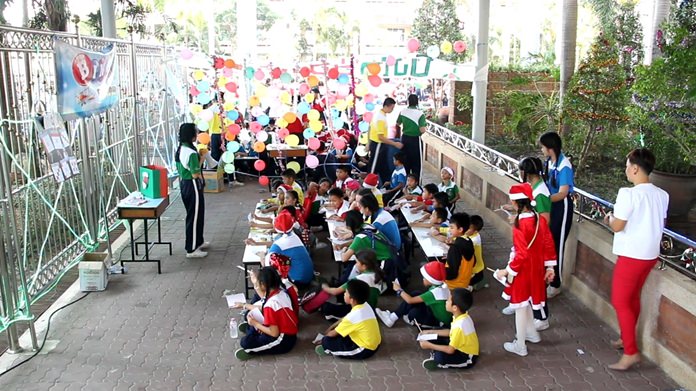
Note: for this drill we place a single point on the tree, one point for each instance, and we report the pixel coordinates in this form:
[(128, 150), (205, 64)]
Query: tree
[(569, 31), (597, 95), (332, 28), (3, 6), (303, 47), (437, 22), (132, 16), (51, 14)]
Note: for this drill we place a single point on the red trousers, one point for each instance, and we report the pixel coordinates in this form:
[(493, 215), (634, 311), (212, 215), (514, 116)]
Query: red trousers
[(628, 279)]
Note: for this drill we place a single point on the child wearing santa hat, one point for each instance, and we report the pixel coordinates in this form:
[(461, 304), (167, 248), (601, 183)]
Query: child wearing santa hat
[(426, 309), (529, 269), (289, 244), (371, 181)]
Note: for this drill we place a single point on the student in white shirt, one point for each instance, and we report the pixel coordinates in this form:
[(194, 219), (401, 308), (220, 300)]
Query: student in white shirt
[(638, 220)]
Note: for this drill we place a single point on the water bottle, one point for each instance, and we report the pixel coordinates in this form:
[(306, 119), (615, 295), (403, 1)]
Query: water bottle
[(234, 333)]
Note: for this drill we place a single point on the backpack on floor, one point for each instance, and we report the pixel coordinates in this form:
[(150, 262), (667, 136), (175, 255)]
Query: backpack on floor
[(313, 300)]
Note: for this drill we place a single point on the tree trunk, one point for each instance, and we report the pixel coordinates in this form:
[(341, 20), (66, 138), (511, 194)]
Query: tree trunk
[(56, 14), (569, 30), (660, 12)]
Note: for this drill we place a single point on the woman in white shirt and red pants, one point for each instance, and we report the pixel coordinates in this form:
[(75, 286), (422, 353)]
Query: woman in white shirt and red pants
[(638, 220)]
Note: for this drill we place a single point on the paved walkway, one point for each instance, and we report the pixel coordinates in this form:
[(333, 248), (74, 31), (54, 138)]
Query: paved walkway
[(170, 331)]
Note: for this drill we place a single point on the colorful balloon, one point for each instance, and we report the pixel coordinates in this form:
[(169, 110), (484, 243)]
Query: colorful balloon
[(234, 129), (263, 180), (260, 165), (311, 161), (262, 136), (413, 45), (361, 150), (229, 63), (204, 98), (259, 146), (228, 157), (367, 117), (313, 143), (289, 117), (282, 133), (229, 168), (374, 80), (360, 90), (185, 54), (313, 81), (249, 73), (233, 146), (313, 115), (373, 68), (364, 126), (391, 60), (281, 123), (263, 120), (303, 89), (292, 140), (229, 136), (369, 106), (343, 78), (339, 143), (202, 125), (446, 47), (198, 75), (203, 138), (333, 73), (203, 86), (276, 72), (206, 114), (459, 46), (433, 51), (295, 166), (302, 108), (304, 72), (254, 101), (309, 97), (309, 132), (232, 115), (259, 75), (286, 78)]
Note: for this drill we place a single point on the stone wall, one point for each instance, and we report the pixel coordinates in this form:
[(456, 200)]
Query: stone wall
[(499, 82), (668, 316)]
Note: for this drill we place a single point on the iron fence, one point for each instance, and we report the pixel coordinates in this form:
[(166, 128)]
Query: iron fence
[(677, 251), (47, 226)]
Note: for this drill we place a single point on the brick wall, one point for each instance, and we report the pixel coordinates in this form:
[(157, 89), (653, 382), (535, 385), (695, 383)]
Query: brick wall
[(471, 183), (675, 330), (594, 270)]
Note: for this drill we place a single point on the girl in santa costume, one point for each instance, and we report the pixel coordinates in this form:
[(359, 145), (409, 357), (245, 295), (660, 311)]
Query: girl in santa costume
[(531, 266)]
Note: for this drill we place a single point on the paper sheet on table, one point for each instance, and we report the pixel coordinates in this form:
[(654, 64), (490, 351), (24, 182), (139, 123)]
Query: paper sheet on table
[(256, 249), (235, 298), (256, 314), (426, 337)]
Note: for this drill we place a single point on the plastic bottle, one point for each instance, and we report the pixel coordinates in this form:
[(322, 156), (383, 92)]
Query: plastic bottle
[(234, 333)]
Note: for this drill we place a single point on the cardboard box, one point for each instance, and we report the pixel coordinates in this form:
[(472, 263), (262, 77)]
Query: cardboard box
[(93, 276), (153, 182), (214, 182)]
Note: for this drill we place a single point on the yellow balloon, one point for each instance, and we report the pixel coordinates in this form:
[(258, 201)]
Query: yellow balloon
[(228, 106), (195, 109), (292, 140), (341, 104), (309, 97), (446, 47), (281, 123), (360, 90), (363, 138), (261, 91), (254, 100), (316, 126), (221, 82), (313, 115), (285, 97), (295, 166), (198, 75)]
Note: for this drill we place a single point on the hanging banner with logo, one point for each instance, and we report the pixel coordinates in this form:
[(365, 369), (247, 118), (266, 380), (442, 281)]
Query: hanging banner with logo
[(57, 145), (86, 81), (420, 67)]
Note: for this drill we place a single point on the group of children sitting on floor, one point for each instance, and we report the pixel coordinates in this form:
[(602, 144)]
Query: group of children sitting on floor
[(374, 242)]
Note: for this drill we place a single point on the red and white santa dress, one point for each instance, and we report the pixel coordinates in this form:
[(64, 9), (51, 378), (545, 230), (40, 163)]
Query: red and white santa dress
[(532, 252)]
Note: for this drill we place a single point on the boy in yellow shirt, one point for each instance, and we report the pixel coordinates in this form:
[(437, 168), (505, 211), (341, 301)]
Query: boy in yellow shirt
[(478, 280), (460, 256), (457, 347), (356, 336)]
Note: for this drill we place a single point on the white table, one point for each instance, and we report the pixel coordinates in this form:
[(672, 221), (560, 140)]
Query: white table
[(250, 257), (432, 248)]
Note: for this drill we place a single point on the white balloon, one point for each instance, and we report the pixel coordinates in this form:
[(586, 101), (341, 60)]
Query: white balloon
[(433, 51), (361, 150)]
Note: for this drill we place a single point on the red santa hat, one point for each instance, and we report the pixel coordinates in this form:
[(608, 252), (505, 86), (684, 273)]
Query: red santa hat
[(371, 181), (281, 263), (284, 222), (352, 184), (434, 272), (521, 192)]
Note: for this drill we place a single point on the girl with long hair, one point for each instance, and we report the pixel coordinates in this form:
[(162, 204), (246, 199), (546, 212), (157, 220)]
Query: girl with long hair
[(188, 165)]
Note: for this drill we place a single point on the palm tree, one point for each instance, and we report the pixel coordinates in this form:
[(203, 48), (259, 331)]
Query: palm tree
[(569, 29)]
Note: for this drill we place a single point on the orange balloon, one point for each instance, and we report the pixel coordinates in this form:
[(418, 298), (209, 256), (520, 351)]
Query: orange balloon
[(289, 117), (229, 63), (204, 138), (313, 81), (259, 146), (229, 136), (373, 68)]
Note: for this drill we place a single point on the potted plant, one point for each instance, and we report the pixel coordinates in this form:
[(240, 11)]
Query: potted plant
[(664, 109)]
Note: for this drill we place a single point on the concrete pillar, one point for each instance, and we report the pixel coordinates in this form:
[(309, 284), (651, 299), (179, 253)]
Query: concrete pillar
[(108, 19), (481, 77)]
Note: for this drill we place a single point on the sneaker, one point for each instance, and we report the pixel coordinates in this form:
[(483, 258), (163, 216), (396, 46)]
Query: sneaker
[(204, 246), (386, 317), (533, 338), (237, 183), (197, 254), (430, 364), (514, 347), (320, 350), (541, 325), (407, 320), (508, 311), (243, 327), (552, 292), (242, 355)]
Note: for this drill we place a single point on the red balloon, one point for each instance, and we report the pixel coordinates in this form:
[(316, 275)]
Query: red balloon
[(374, 80), (263, 180), (255, 127), (333, 73), (304, 72), (339, 143), (276, 72), (259, 165), (231, 87), (367, 117), (219, 63), (234, 129)]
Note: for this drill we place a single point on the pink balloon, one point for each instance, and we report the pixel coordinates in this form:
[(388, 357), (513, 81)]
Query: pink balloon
[(332, 99), (227, 71), (311, 161), (186, 54), (459, 46), (313, 143), (283, 133), (369, 98), (413, 44), (304, 88), (259, 75), (391, 60), (194, 91), (339, 143), (374, 80), (255, 127), (343, 90), (263, 180), (259, 165), (367, 117)]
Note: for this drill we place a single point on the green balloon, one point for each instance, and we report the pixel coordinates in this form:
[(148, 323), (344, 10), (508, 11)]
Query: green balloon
[(229, 168), (228, 157), (249, 73)]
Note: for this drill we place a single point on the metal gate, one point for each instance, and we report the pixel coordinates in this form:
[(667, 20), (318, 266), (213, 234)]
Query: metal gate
[(47, 226)]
